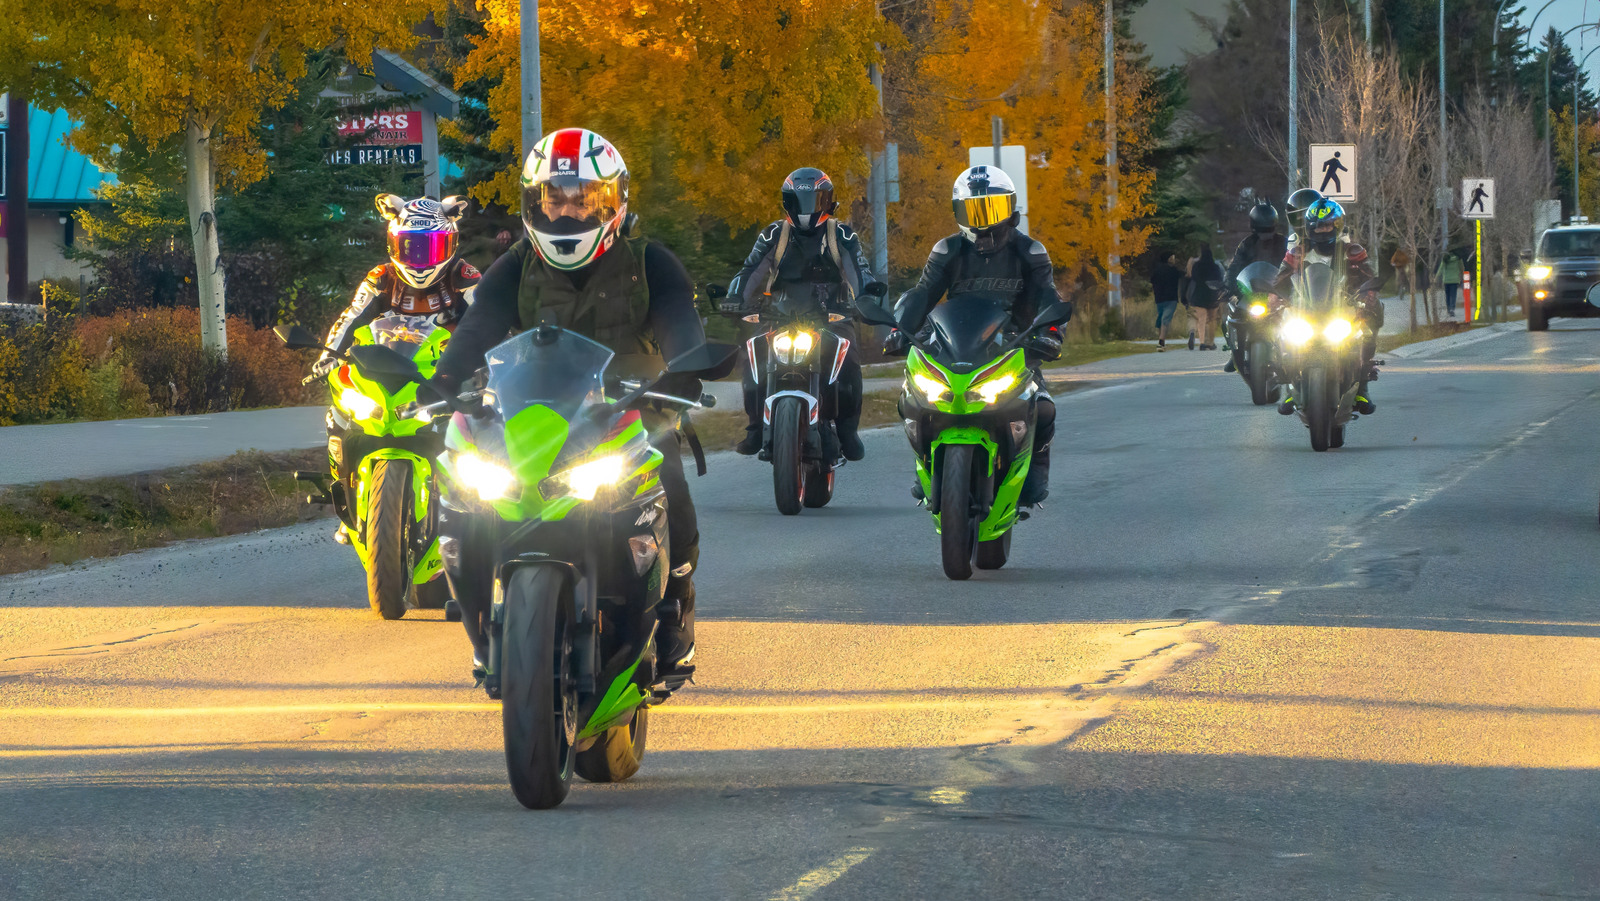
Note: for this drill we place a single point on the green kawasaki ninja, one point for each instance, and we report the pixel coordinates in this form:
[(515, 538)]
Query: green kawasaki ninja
[(381, 481), (566, 485), (969, 407)]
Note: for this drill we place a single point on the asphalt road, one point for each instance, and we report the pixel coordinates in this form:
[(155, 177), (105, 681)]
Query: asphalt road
[(1218, 666)]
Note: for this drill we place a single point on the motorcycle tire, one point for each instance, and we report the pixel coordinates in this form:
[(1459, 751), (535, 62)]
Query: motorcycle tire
[(538, 691), (389, 586), (1336, 436), (616, 752), (819, 489), (788, 460), (1319, 407), (957, 531), (1261, 392), (433, 595), (992, 554), (1538, 319)]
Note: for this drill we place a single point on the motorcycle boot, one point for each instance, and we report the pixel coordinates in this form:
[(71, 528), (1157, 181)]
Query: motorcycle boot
[(675, 634), (1286, 407), (468, 569), (752, 410), (1036, 485), (849, 421)]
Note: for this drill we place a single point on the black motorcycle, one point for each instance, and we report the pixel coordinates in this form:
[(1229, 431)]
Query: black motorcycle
[(1320, 352), (798, 360), (1252, 325)]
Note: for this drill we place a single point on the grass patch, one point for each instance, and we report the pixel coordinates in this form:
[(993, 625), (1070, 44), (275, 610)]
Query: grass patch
[(63, 522)]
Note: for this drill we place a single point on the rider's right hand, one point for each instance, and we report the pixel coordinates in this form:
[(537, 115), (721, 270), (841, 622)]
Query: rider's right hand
[(897, 344)]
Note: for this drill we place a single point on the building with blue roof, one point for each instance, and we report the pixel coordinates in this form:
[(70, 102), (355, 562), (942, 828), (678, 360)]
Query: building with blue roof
[(60, 181)]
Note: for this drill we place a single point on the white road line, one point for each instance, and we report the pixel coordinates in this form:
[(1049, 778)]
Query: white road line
[(823, 876)]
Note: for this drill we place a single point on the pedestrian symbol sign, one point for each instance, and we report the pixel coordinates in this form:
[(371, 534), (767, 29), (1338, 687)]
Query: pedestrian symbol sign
[(1477, 198), (1333, 171)]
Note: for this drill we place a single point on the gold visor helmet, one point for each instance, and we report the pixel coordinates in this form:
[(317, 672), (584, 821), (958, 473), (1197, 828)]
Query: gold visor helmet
[(982, 198)]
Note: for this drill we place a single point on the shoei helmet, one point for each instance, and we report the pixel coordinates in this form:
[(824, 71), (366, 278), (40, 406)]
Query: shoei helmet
[(1324, 221), (808, 198), (422, 236), (1297, 203), (1263, 217), (574, 197), (985, 204)]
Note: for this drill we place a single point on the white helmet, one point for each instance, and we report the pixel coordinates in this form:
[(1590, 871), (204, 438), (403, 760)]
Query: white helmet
[(422, 236), (983, 199), (574, 197)]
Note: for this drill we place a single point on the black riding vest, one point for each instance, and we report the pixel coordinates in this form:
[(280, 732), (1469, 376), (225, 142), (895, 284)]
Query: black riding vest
[(613, 307)]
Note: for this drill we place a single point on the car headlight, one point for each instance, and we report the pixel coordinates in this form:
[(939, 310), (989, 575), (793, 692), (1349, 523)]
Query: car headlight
[(990, 390), (1297, 331), (490, 480), (359, 405), (1337, 330), (1258, 309), (1539, 273), (585, 480), (931, 388), (792, 347)]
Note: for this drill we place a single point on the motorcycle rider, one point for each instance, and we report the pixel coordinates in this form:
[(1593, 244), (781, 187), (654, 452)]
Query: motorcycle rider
[(1262, 245), (807, 250), (1294, 209), (990, 257), (580, 266), (1326, 243), (423, 277)]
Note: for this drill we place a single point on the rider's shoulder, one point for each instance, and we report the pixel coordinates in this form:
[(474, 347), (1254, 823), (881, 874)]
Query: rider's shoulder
[(378, 275), (770, 233), (1031, 247), (948, 246)]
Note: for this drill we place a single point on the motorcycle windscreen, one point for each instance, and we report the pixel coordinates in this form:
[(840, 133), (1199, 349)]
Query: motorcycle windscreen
[(797, 300), (1256, 278), (968, 329), (403, 334), (561, 370), (1316, 287)]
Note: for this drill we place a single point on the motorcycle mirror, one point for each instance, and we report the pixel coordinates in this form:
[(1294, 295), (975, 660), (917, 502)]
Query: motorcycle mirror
[(876, 289), (1055, 314), (384, 364), (715, 292), (873, 314), (836, 317), (709, 361), (753, 317), (296, 337)]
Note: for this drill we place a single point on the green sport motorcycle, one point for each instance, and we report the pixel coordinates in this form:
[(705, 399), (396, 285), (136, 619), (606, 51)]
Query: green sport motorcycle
[(380, 481), (564, 486), (1320, 353), (970, 405)]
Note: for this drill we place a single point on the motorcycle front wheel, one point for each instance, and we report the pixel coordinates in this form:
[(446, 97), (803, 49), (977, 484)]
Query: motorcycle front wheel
[(1319, 407), (1261, 374), (539, 698), (788, 457), (956, 528), (389, 585)]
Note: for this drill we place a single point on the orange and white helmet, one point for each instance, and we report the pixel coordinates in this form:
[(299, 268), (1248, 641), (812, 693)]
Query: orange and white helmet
[(574, 197)]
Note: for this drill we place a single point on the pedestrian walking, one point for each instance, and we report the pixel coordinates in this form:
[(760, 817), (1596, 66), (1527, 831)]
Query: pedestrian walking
[(1401, 261), (1164, 281), (1204, 298), (1449, 275)]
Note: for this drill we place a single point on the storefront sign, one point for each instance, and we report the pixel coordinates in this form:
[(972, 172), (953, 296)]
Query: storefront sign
[(392, 128), (369, 154)]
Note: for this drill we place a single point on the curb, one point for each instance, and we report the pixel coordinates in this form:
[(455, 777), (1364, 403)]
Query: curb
[(1450, 342)]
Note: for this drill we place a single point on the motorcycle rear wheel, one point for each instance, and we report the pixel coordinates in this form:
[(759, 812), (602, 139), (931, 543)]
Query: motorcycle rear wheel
[(616, 752), (389, 586), (539, 703), (957, 531), (1319, 408), (992, 554), (788, 459), (819, 489), (1260, 374)]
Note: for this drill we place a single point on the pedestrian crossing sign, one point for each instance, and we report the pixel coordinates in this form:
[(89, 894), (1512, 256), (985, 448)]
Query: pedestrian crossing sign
[(1333, 171), (1477, 198)]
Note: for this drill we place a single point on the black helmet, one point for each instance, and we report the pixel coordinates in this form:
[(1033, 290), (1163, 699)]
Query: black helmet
[(1324, 221), (1297, 203), (1263, 217), (808, 198)]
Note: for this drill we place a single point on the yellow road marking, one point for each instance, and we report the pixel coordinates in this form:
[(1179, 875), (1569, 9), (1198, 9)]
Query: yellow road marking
[(488, 706), (823, 876)]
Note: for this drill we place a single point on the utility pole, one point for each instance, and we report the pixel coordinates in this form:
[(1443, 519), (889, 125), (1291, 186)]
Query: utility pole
[(16, 177), (532, 106), (1294, 92), (878, 194), (1444, 149), (1366, 19), (1114, 259)]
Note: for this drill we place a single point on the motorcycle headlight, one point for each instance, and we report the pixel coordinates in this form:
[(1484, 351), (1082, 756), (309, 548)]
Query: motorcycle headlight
[(989, 390), (792, 347), (1258, 309), (1337, 330), (1297, 331), (359, 405), (931, 388), (1539, 273), (585, 480), (490, 480)]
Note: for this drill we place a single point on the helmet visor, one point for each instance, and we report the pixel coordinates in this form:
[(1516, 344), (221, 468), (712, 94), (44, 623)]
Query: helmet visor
[(421, 249), (568, 205), (985, 211), (808, 206)]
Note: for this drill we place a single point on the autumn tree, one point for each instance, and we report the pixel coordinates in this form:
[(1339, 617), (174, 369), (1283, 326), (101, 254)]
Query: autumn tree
[(163, 73)]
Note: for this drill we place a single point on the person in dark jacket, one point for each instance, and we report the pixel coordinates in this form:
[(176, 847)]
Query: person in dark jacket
[(1164, 281), (807, 250), (990, 257), (578, 267), (1204, 298)]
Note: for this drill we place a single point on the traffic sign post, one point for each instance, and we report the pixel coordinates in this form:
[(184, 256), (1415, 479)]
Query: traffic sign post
[(1477, 204), (1333, 171)]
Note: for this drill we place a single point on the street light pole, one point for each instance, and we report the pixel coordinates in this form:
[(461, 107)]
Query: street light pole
[(1114, 259), (532, 108), (1294, 104), (1444, 149)]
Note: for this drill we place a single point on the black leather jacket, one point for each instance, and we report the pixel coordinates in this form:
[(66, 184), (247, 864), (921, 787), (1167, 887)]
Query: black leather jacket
[(806, 261), (1256, 248), (1017, 275)]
